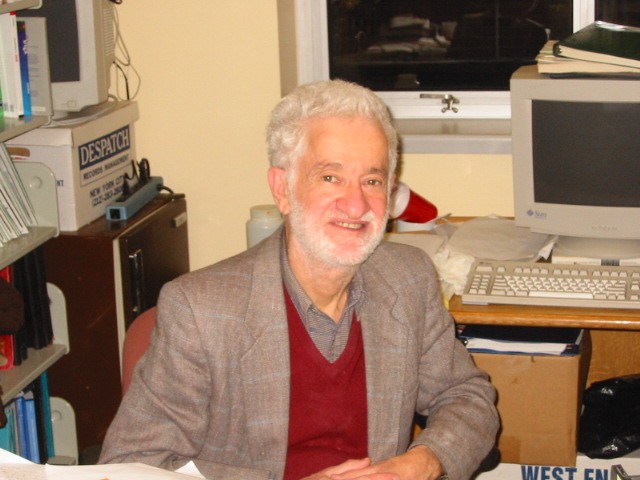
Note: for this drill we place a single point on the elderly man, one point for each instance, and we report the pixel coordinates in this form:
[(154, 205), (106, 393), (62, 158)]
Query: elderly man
[(308, 355)]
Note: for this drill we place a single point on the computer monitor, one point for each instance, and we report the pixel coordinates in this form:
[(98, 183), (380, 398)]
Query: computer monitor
[(81, 43), (576, 162)]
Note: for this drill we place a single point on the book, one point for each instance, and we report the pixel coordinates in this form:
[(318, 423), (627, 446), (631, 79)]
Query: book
[(603, 42), (41, 390), (38, 65), (8, 432), (21, 417), (29, 278), (6, 341), (548, 63), (24, 66), (10, 58), (31, 433), (6, 352), (521, 340)]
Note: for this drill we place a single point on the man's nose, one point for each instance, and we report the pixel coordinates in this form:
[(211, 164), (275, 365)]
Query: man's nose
[(354, 201)]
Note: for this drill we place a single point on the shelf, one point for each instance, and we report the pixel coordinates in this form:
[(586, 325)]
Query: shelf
[(40, 186), (12, 127), (38, 361), (19, 247), (19, 5)]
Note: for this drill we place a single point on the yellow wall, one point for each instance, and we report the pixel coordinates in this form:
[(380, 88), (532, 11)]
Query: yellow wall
[(210, 76)]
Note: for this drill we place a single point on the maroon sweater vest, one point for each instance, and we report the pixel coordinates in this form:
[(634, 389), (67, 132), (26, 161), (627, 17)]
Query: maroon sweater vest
[(328, 403)]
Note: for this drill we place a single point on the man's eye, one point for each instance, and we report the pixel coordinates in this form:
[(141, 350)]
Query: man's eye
[(374, 182), (328, 178)]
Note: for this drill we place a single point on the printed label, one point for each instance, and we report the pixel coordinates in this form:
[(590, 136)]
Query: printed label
[(104, 155), (105, 193)]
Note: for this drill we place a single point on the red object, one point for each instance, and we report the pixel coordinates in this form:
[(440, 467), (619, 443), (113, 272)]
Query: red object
[(6, 352), (136, 342), (328, 402), (408, 206)]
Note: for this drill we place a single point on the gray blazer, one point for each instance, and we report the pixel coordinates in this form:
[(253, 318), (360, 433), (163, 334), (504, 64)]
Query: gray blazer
[(214, 385)]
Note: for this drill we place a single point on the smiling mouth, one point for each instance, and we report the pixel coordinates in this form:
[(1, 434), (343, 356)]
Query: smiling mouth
[(350, 225)]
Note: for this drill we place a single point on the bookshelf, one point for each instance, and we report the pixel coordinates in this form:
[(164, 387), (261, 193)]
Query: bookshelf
[(37, 178), (40, 185)]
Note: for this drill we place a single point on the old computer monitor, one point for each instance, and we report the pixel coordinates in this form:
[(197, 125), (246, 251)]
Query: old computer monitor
[(576, 162), (81, 44)]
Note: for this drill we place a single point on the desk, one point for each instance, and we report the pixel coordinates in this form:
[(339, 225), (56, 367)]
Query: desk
[(615, 334)]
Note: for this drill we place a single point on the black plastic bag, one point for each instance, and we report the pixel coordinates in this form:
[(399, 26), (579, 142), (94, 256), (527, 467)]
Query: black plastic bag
[(610, 420)]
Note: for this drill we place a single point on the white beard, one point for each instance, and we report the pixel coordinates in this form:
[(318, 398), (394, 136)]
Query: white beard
[(319, 246)]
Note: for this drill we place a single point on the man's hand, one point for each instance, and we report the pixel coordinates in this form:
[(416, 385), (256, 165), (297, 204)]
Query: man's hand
[(352, 470), (419, 463)]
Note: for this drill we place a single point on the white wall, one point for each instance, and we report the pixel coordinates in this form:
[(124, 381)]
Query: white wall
[(210, 76)]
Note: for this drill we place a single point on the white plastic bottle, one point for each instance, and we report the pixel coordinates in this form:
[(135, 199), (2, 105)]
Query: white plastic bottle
[(263, 221)]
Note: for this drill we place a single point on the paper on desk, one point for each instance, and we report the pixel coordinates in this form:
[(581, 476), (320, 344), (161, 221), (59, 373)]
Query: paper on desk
[(495, 238), (190, 469), (428, 242), (116, 471), (15, 467)]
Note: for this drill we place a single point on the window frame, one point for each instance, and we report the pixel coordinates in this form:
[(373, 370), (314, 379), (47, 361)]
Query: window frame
[(312, 63)]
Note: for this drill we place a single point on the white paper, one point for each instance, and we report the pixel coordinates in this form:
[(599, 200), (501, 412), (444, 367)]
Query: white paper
[(116, 471), (14, 467), (494, 238), (428, 242), (190, 469), (22, 471), (539, 348)]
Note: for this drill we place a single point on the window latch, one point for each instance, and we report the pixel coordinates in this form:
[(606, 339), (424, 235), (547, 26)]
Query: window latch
[(447, 100)]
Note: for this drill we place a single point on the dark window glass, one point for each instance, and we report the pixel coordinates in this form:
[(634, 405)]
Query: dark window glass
[(446, 45)]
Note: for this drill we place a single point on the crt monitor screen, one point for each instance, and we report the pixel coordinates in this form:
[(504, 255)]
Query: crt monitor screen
[(586, 153)]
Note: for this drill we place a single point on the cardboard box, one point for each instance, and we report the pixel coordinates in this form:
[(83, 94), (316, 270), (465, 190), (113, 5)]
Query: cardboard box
[(539, 402), (585, 469), (87, 158)]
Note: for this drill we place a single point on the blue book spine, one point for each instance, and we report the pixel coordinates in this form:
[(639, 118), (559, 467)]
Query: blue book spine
[(22, 444), (7, 437), (45, 399), (24, 67), (32, 428)]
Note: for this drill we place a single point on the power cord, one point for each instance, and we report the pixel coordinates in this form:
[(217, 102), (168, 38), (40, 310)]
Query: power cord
[(140, 171)]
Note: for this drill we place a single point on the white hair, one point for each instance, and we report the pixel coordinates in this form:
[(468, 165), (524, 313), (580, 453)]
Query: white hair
[(286, 132)]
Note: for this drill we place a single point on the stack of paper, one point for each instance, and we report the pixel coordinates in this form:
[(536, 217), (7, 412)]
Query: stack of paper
[(521, 340), (16, 211)]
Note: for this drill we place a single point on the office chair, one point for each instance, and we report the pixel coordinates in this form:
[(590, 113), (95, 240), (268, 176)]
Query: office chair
[(136, 342)]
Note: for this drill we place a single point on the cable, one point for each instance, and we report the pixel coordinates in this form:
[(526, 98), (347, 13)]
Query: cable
[(144, 170), (125, 69)]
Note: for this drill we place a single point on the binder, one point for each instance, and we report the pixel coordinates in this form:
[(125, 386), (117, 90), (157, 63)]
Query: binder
[(521, 340)]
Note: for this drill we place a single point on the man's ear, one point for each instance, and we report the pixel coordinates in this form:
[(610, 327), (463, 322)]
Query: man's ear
[(279, 188)]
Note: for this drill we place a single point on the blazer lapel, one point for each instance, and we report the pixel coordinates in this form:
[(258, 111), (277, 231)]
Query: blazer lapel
[(265, 367), (385, 343)]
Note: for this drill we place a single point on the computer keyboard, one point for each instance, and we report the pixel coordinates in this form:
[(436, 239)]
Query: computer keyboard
[(521, 283)]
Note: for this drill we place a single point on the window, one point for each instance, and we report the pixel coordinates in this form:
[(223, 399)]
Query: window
[(441, 59)]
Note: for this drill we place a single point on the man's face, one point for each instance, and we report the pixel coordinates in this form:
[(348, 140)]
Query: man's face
[(339, 197)]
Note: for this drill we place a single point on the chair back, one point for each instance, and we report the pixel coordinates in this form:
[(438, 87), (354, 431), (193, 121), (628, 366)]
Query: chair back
[(136, 342)]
